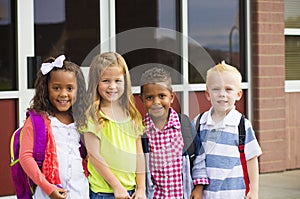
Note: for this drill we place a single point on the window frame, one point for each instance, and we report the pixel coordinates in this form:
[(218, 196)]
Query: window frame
[(292, 85)]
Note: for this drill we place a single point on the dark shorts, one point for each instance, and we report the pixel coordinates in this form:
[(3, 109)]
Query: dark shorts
[(94, 195)]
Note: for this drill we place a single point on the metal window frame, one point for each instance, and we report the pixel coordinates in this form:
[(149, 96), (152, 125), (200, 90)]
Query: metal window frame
[(25, 37)]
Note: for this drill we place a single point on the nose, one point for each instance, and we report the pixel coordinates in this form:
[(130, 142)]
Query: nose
[(156, 100), (112, 85), (222, 93), (63, 93)]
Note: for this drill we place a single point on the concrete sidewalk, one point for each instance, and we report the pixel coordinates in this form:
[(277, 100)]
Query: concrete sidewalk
[(281, 185)]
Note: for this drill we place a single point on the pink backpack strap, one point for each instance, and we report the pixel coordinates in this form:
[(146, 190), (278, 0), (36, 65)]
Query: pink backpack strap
[(40, 137)]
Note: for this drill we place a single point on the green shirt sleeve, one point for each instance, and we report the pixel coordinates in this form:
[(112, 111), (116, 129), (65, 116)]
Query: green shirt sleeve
[(92, 127)]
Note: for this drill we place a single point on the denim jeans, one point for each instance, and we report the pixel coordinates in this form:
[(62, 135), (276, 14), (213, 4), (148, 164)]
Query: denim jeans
[(94, 195)]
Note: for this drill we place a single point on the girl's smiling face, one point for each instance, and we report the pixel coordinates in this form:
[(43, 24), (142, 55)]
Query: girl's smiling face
[(62, 88), (111, 84)]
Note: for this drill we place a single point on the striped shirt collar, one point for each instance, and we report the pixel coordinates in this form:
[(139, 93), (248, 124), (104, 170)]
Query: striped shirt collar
[(231, 119)]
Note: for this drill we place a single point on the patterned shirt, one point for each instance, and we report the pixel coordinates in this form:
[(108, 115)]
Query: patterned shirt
[(166, 157), (223, 165)]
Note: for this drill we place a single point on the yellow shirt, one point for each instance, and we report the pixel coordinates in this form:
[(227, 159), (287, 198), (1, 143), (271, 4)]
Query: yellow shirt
[(118, 148)]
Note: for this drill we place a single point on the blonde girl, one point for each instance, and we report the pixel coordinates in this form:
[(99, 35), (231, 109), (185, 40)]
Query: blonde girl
[(112, 131)]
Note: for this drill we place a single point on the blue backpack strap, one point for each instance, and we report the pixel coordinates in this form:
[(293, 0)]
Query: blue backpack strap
[(40, 137)]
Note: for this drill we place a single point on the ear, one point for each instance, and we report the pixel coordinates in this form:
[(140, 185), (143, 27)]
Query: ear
[(172, 97), (141, 97), (239, 95), (207, 95)]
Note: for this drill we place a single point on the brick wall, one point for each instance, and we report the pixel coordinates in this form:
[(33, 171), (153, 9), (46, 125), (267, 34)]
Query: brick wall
[(268, 69), (293, 130)]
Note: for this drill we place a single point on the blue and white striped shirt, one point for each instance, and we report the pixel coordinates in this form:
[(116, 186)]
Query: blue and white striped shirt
[(223, 163)]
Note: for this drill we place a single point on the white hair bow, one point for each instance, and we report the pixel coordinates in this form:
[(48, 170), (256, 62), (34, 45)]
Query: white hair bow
[(58, 62)]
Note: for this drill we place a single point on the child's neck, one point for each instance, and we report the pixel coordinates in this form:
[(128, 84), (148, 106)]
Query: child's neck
[(160, 123), (64, 117), (218, 116), (114, 111)]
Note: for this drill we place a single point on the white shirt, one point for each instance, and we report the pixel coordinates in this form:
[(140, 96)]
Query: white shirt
[(70, 163)]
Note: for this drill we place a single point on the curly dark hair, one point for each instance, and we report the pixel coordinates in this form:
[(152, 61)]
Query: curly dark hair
[(41, 103)]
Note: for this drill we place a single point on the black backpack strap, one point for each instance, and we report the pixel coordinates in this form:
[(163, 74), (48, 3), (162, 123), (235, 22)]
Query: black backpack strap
[(242, 137), (145, 143), (242, 131), (197, 126), (188, 135)]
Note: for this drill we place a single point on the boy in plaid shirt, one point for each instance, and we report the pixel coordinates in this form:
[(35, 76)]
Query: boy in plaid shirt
[(168, 170)]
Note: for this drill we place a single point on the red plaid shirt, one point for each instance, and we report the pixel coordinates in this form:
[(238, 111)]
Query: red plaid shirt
[(166, 157)]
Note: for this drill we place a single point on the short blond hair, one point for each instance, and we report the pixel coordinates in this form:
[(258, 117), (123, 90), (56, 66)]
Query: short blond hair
[(223, 67)]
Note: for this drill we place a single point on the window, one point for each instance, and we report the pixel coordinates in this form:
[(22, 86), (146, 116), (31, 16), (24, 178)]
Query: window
[(292, 45), (8, 65), (217, 29), (145, 47), (292, 39), (64, 27)]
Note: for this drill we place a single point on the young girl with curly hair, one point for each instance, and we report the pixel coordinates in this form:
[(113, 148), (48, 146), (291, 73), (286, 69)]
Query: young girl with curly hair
[(59, 97)]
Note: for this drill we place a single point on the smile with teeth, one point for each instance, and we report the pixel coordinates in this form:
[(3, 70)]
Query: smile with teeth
[(63, 101), (156, 109), (111, 93)]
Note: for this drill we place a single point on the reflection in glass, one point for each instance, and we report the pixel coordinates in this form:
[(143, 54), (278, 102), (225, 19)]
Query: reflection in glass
[(68, 27), (149, 13), (292, 13), (292, 57), (218, 27), (8, 72), (65, 27)]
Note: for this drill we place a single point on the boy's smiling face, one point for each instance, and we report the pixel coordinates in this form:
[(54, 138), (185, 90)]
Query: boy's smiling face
[(157, 100)]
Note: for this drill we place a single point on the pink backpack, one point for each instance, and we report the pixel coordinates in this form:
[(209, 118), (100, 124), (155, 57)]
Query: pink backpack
[(24, 186)]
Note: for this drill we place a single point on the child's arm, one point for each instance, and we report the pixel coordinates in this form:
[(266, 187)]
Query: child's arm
[(197, 192), (140, 172), (252, 166), (199, 174), (92, 144), (29, 164)]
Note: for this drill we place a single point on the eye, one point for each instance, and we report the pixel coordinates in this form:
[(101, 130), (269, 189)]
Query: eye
[(148, 98), (56, 88), (70, 88), (229, 89), (162, 96)]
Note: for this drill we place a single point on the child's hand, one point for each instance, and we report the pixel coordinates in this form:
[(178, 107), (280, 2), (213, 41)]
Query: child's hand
[(58, 194), (197, 192), (139, 194), (121, 193), (252, 195)]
